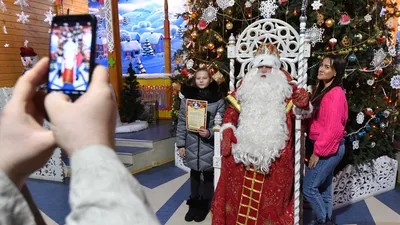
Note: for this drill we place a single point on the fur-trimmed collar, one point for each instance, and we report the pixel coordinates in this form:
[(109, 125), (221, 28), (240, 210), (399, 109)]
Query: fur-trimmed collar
[(210, 94)]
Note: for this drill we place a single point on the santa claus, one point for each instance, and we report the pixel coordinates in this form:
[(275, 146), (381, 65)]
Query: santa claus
[(70, 51), (256, 183)]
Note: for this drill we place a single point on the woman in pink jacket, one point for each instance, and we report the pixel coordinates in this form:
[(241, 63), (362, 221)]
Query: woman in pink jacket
[(325, 137)]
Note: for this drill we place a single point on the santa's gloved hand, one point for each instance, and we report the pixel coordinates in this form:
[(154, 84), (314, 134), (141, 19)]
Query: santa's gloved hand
[(228, 137), (301, 98)]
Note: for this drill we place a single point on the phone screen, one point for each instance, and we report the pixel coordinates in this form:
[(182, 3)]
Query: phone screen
[(70, 57)]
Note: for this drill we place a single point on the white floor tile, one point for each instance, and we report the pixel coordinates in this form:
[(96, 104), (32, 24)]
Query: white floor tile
[(159, 196), (381, 213), (47, 219)]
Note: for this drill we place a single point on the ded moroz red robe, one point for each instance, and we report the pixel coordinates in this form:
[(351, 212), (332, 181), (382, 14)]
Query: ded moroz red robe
[(251, 197)]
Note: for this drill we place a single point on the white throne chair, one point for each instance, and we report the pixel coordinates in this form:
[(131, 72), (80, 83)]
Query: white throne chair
[(294, 52)]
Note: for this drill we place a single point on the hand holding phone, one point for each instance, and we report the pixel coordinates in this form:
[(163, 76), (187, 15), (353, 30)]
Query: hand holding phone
[(72, 53)]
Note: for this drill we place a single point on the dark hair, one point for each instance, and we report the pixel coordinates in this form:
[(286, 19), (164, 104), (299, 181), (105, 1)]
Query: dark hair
[(339, 65), (192, 81)]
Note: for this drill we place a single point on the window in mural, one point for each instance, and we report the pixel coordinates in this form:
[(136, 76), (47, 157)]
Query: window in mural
[(141, 32)]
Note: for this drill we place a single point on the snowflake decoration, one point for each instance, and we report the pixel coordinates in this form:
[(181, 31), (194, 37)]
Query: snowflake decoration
[(395, 82), (360, 118), (367, 18), (315, 34), (390, 23), (26, 43), (189, 64), (209, 14), (267, 8), (49, 16), (379, 56), (392, 51), (370, 82), (5, 29), (223, 4), (356, 144), (6, 45), (22, 3), (316, 4), (247, 4), (23, 18), (3, 6), (373, 144)]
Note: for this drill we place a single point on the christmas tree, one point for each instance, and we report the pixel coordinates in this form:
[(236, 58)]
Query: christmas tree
[(147, 49), (125, 20), (131, 107), (360, 31), (179, 33), (139, 67)]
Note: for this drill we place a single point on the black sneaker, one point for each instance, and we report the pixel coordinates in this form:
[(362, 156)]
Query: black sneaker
[(329, 221)]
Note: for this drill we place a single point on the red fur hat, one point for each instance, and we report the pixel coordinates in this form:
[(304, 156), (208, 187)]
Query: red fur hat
[(27, 52)]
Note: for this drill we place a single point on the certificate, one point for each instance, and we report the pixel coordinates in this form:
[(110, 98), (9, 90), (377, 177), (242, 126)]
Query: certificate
[(196, 114)]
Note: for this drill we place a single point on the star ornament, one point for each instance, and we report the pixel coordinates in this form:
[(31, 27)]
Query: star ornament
[(316, 4), (22, 18), (6, 45)]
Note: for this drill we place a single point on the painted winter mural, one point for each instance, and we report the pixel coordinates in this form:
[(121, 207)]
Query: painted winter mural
[(141, 32)]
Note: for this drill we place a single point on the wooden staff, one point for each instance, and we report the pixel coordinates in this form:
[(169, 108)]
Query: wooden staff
[(167, 40)]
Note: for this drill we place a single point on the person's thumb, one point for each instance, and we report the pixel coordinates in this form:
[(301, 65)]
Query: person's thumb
[(56, 102)]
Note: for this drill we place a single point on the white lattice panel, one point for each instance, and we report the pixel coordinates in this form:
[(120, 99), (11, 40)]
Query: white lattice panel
[(350, 185), (53, 170), (274, 31), (109, 25)]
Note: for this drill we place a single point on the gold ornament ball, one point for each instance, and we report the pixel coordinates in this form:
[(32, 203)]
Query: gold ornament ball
[(371, 41), (355, 49), (313, 55), (329, 23), (194, 15), (220, 50), (194, 34), (210, 46), (397, 13), (229, 25), (229, 12), (364, 45)]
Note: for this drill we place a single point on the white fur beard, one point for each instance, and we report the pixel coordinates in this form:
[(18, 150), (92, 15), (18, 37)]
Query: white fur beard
[(262, 132)]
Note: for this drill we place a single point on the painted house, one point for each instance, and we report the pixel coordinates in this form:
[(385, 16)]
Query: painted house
[(156, 40), (101, 48), (130, 49), (135, 36)]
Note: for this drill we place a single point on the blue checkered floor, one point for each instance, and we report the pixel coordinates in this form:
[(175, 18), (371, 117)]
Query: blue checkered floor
[(167, 188)]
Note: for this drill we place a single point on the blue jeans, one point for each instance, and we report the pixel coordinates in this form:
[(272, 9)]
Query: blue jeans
[(317, 184)]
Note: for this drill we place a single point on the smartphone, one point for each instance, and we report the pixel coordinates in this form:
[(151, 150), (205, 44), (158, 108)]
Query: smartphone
[(72, 54)]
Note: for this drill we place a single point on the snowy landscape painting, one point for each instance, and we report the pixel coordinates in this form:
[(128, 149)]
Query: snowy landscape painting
[(141, 32)]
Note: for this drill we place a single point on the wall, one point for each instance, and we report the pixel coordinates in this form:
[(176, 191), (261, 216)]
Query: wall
[(36, 32)]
